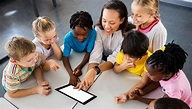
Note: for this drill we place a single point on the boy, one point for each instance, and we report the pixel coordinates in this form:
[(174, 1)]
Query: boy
[(24, 60)]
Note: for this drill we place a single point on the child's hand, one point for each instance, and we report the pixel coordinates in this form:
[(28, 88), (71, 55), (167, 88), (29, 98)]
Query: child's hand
[(53, 65), (77, 72), (74, 80), (139, 91), (127, 63), (133, 96), (43, 90), (121, 98)]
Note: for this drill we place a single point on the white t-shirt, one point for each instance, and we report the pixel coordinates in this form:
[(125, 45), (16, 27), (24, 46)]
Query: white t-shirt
[(109, 45), (157, 36)]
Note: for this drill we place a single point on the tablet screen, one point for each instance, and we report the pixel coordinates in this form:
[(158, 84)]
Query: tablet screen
[(76, 94)]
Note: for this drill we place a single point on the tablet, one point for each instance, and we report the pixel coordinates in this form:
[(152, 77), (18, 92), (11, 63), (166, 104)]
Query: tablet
[(79, 95)]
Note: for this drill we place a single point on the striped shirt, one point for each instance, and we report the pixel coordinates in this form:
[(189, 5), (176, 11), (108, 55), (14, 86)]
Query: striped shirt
[(14, 75)]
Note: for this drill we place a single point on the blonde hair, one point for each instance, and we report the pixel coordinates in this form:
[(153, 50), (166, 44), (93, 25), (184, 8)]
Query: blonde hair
[(19, 47), (42, 24), (152, 6)]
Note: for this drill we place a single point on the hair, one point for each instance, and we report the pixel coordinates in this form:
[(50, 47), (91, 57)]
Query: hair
[(135, 43), (171, 60), (82, 19), (120, 7), (19, 47), (170, 103), (151, 6), (42, 24)]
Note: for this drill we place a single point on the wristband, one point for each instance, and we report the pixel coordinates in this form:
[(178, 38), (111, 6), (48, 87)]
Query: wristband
[(97, 69)]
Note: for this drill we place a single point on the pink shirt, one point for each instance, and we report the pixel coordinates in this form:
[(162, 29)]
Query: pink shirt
[(178, 87)]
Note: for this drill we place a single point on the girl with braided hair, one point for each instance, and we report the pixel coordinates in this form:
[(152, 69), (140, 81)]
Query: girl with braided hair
[(165, 66), (81, 38)]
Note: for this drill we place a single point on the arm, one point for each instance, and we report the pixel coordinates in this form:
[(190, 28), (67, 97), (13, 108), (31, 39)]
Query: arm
[(82, 64), (57, 51), (73, 79)]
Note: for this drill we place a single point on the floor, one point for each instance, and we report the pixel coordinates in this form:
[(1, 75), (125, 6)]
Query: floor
[(16, 17)]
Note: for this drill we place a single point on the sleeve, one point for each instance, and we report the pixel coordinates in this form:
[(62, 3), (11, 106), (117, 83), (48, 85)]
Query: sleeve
[(12, 83), (92, 41), (112, 57), (96, 54), (67, 48), (159, 39), (173, 91), (119, 58)]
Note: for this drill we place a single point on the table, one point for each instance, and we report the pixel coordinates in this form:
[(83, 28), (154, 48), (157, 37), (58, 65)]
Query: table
[(109, 85), (106, 87), (4, 104)]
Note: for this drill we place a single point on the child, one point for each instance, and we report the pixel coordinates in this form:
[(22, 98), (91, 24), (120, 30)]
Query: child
[(46, 38), (165, 66), (133, 54), (81, 38), (24, 60), (168, 103), (147, 20)]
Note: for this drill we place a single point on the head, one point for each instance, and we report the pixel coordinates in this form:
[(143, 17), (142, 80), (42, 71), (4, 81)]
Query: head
[(81, 22), (163, 64), (144, 10), (21, 51), (113, 17), (44, 30), (168, 103), (134, 45)]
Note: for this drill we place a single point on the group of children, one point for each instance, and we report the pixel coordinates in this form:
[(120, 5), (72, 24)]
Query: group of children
[(138, 48)]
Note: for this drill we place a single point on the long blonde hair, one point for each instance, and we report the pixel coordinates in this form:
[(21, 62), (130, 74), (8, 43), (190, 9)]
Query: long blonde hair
[(151, 6), (19, 47), (42, 24)]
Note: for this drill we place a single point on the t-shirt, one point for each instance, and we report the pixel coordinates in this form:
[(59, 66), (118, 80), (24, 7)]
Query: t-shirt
[(70, 42), (140, 64), (178, 87), (14, 75), (108, 45)]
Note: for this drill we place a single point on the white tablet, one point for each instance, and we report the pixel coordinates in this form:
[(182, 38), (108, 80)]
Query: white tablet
[(76, 94)]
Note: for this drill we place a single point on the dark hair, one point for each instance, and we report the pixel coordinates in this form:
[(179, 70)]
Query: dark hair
[(171, 60), (82, 19), (170, 103), (135, 43), (120, 7)]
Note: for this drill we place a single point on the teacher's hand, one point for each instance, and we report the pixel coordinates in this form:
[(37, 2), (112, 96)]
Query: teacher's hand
[(88, 80)]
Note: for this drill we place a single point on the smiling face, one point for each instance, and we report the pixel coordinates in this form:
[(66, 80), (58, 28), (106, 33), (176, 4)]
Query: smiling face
[(28, 61), (80, 34), (140, 15), (48, 37), (111, 21)]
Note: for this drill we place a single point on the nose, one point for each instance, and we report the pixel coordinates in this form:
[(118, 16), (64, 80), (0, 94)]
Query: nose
[(107, 25), (133, 17)]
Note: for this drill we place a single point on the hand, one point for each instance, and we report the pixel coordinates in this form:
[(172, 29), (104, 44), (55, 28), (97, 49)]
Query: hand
[(127, 63), (74, 80), (77, 72), (44, 88), (53, 65), (139, 91), (88, 79), (133, 96), (121, 98)]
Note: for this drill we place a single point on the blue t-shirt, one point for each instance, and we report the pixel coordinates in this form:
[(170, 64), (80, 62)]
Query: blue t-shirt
[(70, 42)]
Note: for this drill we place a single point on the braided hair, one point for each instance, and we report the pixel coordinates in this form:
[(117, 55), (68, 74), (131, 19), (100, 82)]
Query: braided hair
[(82, 19), (171, 60)]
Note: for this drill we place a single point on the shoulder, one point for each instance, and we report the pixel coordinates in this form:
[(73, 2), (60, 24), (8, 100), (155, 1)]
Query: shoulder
[(11, 69), (159, 27), (69, 35)]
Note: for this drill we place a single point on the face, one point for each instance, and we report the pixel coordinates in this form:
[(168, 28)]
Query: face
[(151, 105), (139, 15), (131, 59), (48, 37), (111, 21), (154, 74), (80, 34), (29, 60)]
